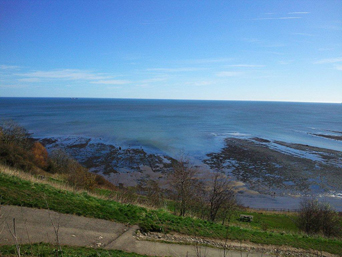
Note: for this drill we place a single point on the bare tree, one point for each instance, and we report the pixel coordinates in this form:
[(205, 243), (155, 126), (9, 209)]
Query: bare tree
[(56, 225), (315, 217), (183, 180), (11, 132), (15, 237), (60, 161), (221, 196), (154, 193)]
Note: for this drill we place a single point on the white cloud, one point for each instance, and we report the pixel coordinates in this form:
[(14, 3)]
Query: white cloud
[(200, 83), (30, 80), (186, 69), (247, 65), (111, 82), (329, 60), (209, 60), (13, 86), (339, 67), (113, 87), (143, 85), (152, 80), (8, 67), (228, 74), (298, 12), (279, 18), (303, 34), (68, 74)]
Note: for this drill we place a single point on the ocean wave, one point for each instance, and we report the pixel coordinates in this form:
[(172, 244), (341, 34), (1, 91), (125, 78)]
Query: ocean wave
[(230, 134), (332, 194)]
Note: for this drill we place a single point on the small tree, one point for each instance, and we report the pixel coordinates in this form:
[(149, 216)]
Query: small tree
[(315, 217), (154, 193), (13, 133), (330, 221), (40, 155), (15, 146), (76, 174), (308, 219), (183, 181), (221, 197)]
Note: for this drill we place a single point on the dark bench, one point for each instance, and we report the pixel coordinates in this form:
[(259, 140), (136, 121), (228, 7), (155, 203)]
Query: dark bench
[(246, 218)]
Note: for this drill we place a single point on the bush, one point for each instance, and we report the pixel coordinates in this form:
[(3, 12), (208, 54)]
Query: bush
[(40, 155), (317, 217), (15, 145)]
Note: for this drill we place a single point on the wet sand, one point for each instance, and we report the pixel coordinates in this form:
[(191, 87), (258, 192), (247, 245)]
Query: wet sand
[(279, 167), (266, 174)]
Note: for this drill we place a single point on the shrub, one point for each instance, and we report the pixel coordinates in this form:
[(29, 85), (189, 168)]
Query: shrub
[(15, 144), (40, 155), (315, 217)]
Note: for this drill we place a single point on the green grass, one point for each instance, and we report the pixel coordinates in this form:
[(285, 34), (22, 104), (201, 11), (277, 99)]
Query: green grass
[(15, 191), (43, 250), (269, 221)]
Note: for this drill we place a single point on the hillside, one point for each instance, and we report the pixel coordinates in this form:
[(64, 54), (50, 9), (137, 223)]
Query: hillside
[(22, 189)]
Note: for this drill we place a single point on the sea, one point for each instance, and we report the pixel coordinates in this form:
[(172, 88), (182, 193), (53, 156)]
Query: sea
[(191, 127)]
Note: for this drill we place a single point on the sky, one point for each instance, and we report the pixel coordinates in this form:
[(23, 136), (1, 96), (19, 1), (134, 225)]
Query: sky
[(270, 50)]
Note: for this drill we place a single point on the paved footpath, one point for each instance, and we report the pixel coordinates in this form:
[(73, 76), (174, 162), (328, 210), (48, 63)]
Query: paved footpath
[(36, 225)]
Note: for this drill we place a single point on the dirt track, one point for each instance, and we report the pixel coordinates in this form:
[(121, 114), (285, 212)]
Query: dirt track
[(34, 225)]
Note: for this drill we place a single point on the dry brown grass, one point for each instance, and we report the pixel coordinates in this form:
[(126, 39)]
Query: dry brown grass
[(58, 181)]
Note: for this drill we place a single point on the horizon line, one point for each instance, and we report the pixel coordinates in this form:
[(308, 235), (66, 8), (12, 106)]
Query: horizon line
[(172, 99)]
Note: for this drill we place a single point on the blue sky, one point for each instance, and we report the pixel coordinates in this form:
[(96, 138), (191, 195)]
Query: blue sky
[(269, 50)]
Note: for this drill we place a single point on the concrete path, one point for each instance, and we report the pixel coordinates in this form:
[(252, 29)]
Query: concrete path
[(34, 225)]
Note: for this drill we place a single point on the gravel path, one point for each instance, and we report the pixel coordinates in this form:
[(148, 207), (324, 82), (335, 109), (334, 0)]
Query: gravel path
[(37, 225)]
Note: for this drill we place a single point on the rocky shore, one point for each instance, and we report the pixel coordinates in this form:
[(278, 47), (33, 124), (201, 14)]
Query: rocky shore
[(125, 165), (258, 165), (275, 167)]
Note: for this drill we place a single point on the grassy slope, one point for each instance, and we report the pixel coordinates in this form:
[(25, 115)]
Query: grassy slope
[(16, 191), (43, 250)]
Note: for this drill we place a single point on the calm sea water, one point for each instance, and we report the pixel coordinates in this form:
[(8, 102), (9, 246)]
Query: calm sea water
[(172, 126)]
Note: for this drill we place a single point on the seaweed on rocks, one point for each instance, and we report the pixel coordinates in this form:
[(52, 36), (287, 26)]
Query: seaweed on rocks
[(108, 159), (280, 167)]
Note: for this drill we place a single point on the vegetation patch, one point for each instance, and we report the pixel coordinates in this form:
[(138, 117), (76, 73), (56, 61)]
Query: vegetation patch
[(16, 191), (43, 250)]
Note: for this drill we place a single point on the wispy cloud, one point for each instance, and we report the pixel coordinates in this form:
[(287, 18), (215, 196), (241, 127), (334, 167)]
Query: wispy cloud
[(228, 74), (111, 82), (67, 74), (303, 34), (30, 80), (338, 67), (288, 16), (298, 13), (209, 60), (285, 62), (153, 80), (329, 60), (12, 86), (337, 27), (200, 83), (184, 69), (247, 65), (278, 18), (9, 67)]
